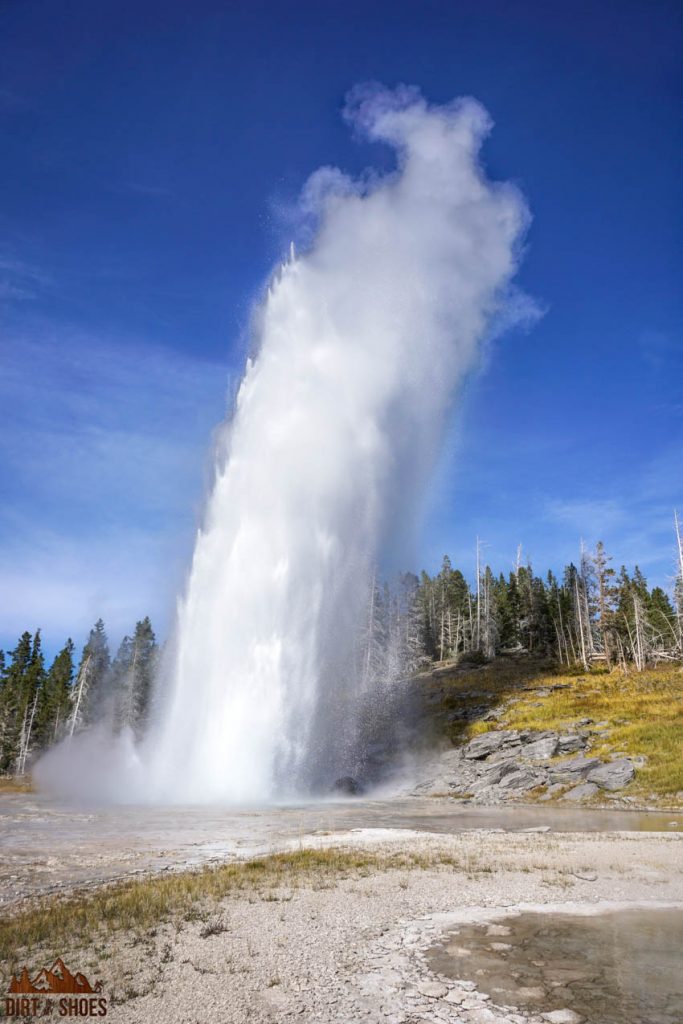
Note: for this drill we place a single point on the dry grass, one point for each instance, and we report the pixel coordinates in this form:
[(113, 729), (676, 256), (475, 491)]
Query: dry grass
[(642, 711), (16, 784), (138, 906)]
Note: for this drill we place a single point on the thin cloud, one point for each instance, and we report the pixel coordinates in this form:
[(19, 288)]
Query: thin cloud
[(103, 454), (588, 515), (21, 281)]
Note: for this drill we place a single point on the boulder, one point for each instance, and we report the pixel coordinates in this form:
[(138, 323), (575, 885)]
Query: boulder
[(481, 746), (574, 770), (581, 792), (493, 772), (522, 779), (540, 749), (614, 775), (347, 786), (569, 743), (552, 791), (562, 1017)]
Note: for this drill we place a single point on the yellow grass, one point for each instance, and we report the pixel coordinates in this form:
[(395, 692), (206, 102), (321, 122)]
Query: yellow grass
[(64, 924), (642, 712), (16, 784)]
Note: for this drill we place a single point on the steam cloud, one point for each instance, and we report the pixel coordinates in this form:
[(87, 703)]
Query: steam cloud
[(363, 342)]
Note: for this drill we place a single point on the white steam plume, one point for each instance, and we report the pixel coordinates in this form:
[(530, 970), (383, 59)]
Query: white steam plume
[(363, 341)]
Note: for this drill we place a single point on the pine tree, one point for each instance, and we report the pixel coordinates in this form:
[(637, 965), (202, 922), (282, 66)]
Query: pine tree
[(12, 701), (505, 616), (662, 620), (89, 693), (55, 705), (133, 673), (30, 694), (426, 602)]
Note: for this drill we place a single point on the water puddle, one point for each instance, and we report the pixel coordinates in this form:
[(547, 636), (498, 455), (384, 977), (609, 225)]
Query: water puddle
[(617, 967)]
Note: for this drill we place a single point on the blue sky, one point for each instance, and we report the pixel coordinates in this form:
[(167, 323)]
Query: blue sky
[(149, 153)]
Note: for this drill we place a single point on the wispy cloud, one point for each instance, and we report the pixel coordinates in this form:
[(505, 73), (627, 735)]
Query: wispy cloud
[(587, 516), (20, 280), (659, 350), (104, 446)]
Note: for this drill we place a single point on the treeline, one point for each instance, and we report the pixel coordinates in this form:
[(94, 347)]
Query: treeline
[(40, 705), (592, 613)]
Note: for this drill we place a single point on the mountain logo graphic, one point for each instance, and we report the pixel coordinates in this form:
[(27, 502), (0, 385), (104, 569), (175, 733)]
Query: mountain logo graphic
[(57, 979)]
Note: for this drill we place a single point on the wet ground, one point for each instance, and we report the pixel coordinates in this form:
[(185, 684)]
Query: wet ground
[(619, 967), (46, 846)]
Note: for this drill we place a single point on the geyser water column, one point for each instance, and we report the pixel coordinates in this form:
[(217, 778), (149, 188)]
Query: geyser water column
[(362, 342)]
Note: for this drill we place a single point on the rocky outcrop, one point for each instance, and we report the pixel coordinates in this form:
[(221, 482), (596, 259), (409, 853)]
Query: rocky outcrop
[(582, 792), (613, 775), (489, 743), (571, 772), (505, 764), (569, 743)]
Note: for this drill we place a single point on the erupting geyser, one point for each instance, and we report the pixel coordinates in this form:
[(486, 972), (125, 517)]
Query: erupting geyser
[(362, 342)]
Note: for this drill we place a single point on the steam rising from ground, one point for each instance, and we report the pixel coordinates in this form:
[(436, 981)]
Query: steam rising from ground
[(362, 343)]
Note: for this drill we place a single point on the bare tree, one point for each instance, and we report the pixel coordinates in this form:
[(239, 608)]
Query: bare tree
[(678, 586)]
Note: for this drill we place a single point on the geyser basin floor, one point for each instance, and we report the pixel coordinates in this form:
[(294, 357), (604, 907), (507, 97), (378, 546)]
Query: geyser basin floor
[(617, 967), (339, 948), (44, 845)]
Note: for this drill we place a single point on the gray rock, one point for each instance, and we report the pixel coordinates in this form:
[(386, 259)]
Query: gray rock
[(581, 792), (522, 779), (540, 749), (638, 761), (569, 743), (551, 791), (504, 754), (482, 1015), (614, 775), (494, 772), (562, 1017), (432, 989), (348, 786), (488, 742), (573, 770)]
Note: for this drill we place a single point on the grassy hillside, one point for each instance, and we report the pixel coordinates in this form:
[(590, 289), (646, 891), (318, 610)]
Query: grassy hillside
[(637, 715)]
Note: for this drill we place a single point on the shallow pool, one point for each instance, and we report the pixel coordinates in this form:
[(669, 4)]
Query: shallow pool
[(618, 967)]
